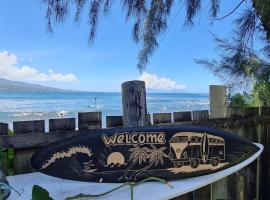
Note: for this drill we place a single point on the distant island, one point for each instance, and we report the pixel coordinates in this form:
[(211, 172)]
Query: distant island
[(16, 86)]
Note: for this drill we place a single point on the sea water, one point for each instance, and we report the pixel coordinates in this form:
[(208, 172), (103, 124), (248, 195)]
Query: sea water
[(16, 106)]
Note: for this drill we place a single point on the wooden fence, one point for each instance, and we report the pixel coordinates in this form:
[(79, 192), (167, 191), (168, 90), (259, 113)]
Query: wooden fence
[(251, 123)]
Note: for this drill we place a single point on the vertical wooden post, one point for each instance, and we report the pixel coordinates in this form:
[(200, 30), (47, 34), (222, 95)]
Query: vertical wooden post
[(265, 158), (114, 121), (217, 97), (134, 103), (218, 109), (62, 125), (89, 120), (4, 161), (3, 128), (22, 157), (204, 192)]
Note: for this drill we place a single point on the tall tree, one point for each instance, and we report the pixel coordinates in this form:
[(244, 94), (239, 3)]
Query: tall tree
[(151, 18)]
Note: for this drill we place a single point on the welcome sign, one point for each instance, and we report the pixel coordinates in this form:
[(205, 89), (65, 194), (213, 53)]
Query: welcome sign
[(133, 138), (132, 154)]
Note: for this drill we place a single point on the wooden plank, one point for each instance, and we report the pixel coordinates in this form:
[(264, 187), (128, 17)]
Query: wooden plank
[(33, 140), (89, 120), (22, 161), (200, 115), (246, 184), (3, 128), (62, 125), (233, 112), (24, 127), (161, 118), (265, 164), (134, 103), (4, 161), (114, 121), (205, 192), (265, 111), (229, 122), (148, 120), (251, 112), (22, 157), (218, 109), (249, 186), (182, 116)]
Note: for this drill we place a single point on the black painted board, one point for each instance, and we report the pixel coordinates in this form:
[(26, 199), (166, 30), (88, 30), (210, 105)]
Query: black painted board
[(132, 154)]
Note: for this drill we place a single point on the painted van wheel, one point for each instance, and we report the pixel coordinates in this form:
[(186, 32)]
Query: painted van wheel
[(194, 163), (215, 161), (178, 164)]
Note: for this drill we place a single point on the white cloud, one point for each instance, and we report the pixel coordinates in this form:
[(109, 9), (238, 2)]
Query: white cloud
[(9, 69), (152, 81)]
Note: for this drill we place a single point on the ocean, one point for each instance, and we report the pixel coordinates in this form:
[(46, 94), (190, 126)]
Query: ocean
[(16, 106)]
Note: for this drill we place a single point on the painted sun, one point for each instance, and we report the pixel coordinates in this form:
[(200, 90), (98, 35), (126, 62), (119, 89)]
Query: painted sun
[(115, 158)]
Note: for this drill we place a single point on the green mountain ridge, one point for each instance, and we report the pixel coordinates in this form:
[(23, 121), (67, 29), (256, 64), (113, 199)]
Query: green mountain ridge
[(17, 86)]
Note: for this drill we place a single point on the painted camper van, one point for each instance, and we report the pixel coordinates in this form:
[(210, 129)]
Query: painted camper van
[(196, 148)]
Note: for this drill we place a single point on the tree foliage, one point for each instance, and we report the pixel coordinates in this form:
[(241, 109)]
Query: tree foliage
[(261, 94), (241, 62), (151, 17), (238, 100)]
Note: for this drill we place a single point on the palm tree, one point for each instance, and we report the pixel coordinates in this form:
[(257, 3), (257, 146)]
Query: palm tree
[(138, 156), (155, 156)]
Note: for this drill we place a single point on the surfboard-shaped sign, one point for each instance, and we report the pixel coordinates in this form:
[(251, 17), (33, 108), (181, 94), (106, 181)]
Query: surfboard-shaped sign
[(132, 154)]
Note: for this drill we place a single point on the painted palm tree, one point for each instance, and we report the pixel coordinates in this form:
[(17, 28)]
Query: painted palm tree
[(138, 156), (156, 156)]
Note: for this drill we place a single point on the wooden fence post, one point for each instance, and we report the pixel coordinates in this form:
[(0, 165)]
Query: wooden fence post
[(264, 175), (204, 192), (235, 182), (162, 118), (22, 157), (62, 125), (4, 161), (218, 109), (134, 103), (217, 98), (89, 120), (114, 121), (134, 107), (182, 116)]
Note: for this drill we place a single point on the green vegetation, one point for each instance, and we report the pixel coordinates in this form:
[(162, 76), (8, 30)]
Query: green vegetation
[(10, 156), (39, 193), (259, 97), (238, 100), (3, 155), (261, 94)]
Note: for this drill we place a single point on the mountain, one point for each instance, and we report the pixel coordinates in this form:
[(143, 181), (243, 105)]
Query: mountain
[(16, 86)]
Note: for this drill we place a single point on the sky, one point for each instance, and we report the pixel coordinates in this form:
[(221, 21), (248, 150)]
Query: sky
[(65, 59)]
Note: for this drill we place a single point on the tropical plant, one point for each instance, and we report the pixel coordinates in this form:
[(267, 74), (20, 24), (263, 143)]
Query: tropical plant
[(151, 18), (261, 94), (39, 193), (138, 156), (155, 156), (2, 155), (238, 100)]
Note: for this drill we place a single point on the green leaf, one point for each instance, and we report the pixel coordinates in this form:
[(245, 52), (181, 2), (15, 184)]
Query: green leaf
[(39, 193)]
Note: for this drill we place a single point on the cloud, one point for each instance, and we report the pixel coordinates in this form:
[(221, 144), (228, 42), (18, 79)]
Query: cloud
[(152, 81), (9, 69)]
